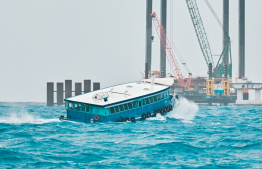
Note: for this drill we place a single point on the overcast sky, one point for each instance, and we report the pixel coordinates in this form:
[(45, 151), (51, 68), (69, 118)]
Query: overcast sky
[(104, 40)]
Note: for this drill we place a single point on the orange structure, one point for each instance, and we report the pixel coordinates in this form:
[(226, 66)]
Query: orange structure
[(167, 45)]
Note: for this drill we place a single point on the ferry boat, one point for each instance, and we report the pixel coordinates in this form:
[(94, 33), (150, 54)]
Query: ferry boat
[(126, 102)]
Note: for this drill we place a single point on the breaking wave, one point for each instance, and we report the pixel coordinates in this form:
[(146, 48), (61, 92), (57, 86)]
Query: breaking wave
[(25, 117), (203, 141), (185, 110), (158, 117)]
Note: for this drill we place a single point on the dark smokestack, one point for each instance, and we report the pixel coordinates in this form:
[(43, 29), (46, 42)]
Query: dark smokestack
[(241, 47), (225, 32), (148, 37), (162, 50)]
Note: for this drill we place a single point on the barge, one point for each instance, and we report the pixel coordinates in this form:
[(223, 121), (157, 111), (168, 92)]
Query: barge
[(126, 102)]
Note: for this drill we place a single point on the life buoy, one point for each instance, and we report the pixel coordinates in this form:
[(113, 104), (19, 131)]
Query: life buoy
[(148, 114), (127, 119), (171, 107), (168, 108), (96, 117), (61, 117), (133, 119), (143, 116), (162, 111)]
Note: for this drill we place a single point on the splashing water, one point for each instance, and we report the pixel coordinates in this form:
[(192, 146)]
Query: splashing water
[(158, 117), (232, 141), (186, 110), (24, 117)]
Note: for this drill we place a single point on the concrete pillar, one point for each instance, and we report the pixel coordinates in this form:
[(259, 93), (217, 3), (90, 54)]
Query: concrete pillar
[(96, 86), (225, 34), (50, 94), (60, 93), (148, 37), (87, 86), (68, 88), (239, 94), (257, 94), (162, 47), (78, 89), (241, 45)]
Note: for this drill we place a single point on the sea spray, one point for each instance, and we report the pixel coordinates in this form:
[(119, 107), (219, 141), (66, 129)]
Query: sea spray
[(233, 143), (185, 110), (157, 117), (25, 117)]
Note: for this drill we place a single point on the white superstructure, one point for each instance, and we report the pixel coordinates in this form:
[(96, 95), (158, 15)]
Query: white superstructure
[(118, 93)]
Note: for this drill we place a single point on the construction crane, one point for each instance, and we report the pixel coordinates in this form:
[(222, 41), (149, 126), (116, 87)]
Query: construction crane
[(168, 46), (221, 67)]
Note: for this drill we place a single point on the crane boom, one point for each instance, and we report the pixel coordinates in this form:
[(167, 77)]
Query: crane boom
[(200, 31), (167, 45)]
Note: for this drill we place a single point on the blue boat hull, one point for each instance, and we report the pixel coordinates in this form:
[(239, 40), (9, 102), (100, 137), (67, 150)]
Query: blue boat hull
[(122, 116)]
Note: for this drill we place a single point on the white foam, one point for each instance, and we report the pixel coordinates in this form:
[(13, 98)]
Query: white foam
[(186, 110), (24, 117), (158, 117)]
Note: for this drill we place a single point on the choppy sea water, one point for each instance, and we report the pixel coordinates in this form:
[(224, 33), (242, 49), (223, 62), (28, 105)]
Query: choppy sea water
[(31, 136)]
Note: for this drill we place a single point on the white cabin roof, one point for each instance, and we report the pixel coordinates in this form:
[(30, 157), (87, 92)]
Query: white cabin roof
[(118, 93)]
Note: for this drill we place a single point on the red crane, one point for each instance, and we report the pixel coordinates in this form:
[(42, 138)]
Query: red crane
[(167, 45)]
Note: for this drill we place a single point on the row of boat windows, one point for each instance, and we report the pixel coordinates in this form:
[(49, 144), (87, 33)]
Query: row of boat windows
[(78, 106), (123, 107), (143, 102)]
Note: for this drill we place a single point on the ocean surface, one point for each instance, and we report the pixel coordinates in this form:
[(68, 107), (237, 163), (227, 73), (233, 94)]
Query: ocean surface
[(191, 136)]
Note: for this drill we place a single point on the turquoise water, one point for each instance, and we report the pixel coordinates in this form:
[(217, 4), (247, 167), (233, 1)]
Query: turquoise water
[(189, 137)]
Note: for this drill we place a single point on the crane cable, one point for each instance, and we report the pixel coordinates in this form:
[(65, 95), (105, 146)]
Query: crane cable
[(172, 34), (216, 17)]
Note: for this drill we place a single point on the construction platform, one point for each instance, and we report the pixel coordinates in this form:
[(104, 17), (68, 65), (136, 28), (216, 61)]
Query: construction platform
[(210, 100)]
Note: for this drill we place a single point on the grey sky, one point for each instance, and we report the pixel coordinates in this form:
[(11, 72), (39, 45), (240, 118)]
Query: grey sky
[(54, 40)]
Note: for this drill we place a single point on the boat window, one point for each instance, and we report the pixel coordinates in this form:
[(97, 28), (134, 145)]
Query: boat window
[(151, 99), (87, 108), (70, 106), (126, 107), (134, 104), (112, 110), (130, 105), (144, 101), (83, 107), (77, 107), (121, 107), (158, 97), (155, 99), (117, 109), (161, 96), (140, 103), (147, 101), (164, 95)]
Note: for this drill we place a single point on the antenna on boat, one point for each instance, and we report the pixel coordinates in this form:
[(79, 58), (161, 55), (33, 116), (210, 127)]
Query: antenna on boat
[(142, 77), (152, 81), (111, 90), (125, 93)]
